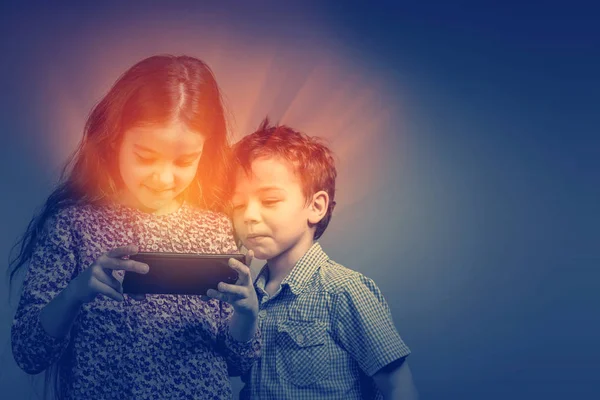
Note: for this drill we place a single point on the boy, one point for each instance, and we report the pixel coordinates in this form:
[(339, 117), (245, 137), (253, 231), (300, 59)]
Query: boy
[(327, 330)]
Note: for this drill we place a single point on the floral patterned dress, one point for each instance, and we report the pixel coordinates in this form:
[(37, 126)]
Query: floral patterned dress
[(164, 347)]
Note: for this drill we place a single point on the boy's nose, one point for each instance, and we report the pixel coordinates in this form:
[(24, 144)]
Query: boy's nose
[(251, 214)]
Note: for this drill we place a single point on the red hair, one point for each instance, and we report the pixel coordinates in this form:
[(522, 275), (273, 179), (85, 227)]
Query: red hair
[(313, 162), (155, 91)]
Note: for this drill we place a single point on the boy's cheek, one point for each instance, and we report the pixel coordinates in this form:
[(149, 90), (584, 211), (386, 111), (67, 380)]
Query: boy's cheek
[(238, 226)]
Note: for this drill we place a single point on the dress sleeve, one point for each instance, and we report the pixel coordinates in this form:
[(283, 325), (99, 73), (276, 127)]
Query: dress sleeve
[(225, 236), (51, 267), (363, 325)]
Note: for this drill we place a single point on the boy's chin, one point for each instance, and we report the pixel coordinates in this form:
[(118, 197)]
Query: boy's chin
[(259, 253)]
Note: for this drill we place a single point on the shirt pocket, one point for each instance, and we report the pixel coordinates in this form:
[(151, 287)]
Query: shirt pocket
[(302, 354)]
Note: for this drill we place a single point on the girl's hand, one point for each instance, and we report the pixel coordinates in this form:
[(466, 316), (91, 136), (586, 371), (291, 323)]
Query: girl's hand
[(242, 295), (99, 279)]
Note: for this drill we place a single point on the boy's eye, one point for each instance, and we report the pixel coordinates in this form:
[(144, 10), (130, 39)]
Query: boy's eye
[(270, 202), (238, 206)]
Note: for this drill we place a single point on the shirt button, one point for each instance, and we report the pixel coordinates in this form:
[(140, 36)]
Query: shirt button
[(300, 338), (262, 314)]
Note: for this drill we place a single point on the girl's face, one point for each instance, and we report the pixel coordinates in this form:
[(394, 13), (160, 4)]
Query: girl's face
[(157, 163)]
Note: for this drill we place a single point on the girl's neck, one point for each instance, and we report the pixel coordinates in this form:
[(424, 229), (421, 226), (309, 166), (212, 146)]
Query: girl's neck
[(127, 200)]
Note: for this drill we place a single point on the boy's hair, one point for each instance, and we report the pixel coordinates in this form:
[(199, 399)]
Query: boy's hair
[(311, 159)]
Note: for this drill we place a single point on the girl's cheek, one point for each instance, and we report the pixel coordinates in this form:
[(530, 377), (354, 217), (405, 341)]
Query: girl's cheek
[(187, 177), (142, 171)]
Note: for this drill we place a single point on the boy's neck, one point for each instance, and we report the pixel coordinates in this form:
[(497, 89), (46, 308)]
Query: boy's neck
[(281, 265)]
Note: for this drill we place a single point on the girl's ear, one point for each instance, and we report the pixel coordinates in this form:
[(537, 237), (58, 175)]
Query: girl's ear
[(318, 207)]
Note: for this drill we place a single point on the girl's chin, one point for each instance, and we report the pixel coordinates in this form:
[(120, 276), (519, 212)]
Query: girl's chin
[(160, 206)]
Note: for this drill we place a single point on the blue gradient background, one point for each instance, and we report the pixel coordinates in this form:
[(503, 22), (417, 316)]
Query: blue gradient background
[(482, 227)]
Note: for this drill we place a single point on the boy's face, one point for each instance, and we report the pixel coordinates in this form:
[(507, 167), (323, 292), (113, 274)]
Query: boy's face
[(157, 164), (270, 212)]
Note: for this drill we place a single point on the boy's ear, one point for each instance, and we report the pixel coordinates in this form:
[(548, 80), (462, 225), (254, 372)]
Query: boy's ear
[(318, 207)]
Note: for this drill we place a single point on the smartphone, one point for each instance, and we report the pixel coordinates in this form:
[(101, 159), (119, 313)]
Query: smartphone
[(180, 273)]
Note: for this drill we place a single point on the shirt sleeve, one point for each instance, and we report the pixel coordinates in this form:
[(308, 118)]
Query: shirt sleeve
[(363, 325), (239, 355), (51, 267)]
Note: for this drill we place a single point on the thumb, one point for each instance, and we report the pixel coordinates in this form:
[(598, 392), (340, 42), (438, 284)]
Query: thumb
[(137, 296)]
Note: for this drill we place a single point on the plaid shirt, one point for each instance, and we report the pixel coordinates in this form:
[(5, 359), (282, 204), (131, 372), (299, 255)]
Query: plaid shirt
[(326, 331)]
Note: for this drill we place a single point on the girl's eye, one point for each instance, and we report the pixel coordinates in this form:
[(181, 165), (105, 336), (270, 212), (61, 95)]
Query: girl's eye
[(238, 206), (188, 160), (144, 160)]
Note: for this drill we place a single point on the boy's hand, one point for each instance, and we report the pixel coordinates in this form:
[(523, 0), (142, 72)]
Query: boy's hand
[(242, 295)]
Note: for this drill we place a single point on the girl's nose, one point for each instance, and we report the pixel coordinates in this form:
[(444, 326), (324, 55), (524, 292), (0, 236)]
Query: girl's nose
[(164, 177)]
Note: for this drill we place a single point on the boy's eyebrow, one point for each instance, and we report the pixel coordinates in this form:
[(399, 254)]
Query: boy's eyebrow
[(262, 189), (144, 148), (269, 188)]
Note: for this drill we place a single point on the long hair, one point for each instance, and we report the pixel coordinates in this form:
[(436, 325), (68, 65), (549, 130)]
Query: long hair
[(155, 91)]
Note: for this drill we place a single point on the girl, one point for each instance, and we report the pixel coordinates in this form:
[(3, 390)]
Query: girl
[(146, 177)]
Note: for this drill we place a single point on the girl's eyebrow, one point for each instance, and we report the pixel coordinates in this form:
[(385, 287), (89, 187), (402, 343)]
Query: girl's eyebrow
[(146, 149), (191, 155)]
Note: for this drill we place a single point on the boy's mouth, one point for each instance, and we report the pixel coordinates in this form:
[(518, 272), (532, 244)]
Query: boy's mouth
[(255, 236)]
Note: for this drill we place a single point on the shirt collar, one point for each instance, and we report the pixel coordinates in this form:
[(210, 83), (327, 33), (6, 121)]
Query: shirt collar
[(300, 275)]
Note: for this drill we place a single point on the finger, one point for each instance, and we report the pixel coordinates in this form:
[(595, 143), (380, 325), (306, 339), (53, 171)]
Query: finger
[(234, 290), (214, 294), (123, 251), (243, 272), (110, 263), (106, 290), (204, 298), (137, 296), (108, 279)]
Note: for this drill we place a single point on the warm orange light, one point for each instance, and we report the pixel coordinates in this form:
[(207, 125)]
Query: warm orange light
[(312, 89)]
